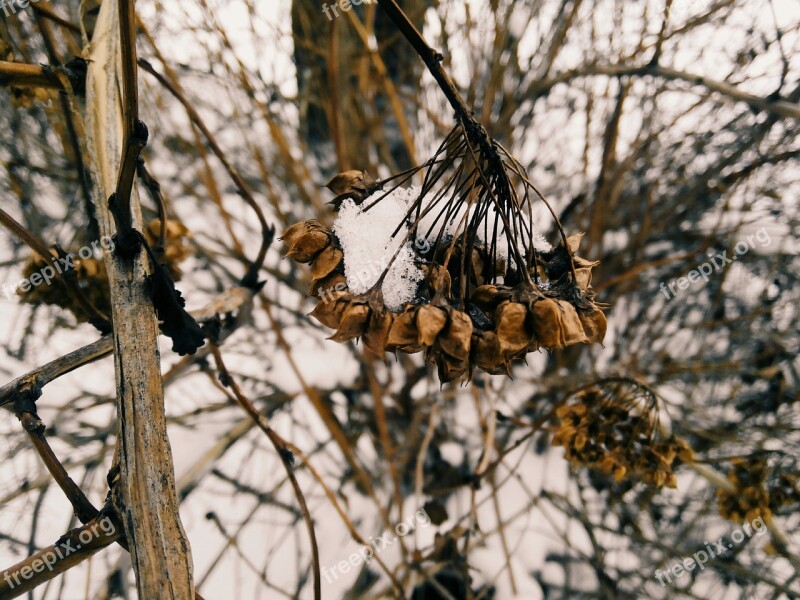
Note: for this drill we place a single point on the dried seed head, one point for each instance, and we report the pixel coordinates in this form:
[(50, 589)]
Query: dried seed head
[(450, 369), (438, 279), (488, 297), (335, 282), (486, 353), (352, 180), (377, 333), (594, 324), (610, 427), (351, 184), (296, 231)]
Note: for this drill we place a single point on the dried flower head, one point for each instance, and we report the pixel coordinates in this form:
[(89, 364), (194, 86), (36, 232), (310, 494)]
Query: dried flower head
[(462, 272), (763, 483), (90, 274), (612, 425)]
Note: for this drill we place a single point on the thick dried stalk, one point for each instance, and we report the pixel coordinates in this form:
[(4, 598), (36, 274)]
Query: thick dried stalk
[(144, 494)]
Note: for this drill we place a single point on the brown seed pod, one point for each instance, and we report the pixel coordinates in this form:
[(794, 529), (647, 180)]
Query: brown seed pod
[(438, 279), (335, 282), (298, 230), (454, 340), (583, 278), (556, 324), (574, 241), (354, 322), (329, 310), (309, 245), (594, 325), (486, 353), (174, 251), (430, 321), (513, 328), (377, 333), (325, 262), (450, 369), (404, 335), (489, 297)]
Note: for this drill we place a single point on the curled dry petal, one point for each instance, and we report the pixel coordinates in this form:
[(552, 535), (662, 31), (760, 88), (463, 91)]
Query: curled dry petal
[(584, 278), (430, 321), (574, 241)]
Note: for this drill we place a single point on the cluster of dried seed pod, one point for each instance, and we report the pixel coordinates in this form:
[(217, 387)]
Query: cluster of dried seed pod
[(758, 490), (618, 438), (91, 275), (175, 251), (490, 328)]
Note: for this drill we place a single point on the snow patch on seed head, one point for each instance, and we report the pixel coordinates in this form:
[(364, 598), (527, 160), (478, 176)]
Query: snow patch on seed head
[(369, 242)]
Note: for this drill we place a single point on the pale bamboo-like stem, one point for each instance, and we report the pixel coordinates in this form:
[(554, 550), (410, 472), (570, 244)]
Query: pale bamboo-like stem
[(144, 493)]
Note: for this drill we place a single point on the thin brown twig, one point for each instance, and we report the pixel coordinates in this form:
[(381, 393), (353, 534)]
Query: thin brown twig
[(35, 428), (250, 278), (134, 136), (281, 448), (67, 552), (14, 74)]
